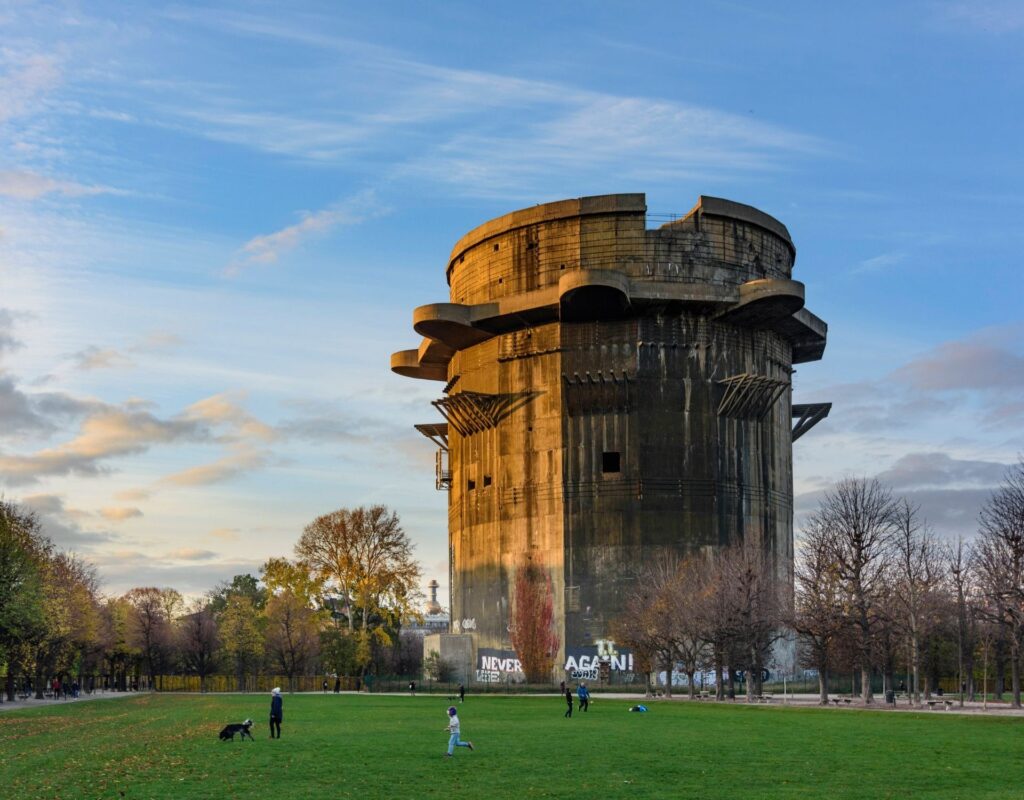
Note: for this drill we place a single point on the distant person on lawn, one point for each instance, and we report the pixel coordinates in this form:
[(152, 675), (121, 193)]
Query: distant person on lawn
[(453, 731), (276, 712), (568, 700), (584, 694)]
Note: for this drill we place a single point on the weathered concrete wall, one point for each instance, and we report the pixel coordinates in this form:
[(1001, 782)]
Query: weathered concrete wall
[(613, 393), (456, 650)]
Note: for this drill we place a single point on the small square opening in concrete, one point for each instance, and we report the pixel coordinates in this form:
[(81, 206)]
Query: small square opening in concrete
[(470, 485), (487, 480), (610, 462)]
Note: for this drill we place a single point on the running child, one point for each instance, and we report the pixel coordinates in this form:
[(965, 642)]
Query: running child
[(453, 729)]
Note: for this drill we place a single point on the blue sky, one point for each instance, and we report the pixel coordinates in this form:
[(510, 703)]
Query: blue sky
[(215, 221)]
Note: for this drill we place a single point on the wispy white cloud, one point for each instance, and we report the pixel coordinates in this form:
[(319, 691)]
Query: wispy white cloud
[(484, 133), (190, 554), (25, 80), (105, 434), (975, 363), (8, 341), (588, 136), (225, 534), (269, 247), (64, 526), (27, 185), (222, 409), (157, 341), (880, 262), (223, 469), (94, 357), (991, 16), (120, 513), (128, 495)]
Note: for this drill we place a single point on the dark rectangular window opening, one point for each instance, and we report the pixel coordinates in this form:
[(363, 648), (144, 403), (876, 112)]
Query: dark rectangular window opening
[(610, 462), (470, 485), (487, 480), (495, 248)]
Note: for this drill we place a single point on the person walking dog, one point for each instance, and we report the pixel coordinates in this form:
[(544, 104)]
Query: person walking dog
[(276, 712), (453, 731)]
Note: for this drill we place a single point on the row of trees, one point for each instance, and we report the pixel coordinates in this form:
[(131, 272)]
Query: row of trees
[(719, 611), (50, 614), (875, 591), (337, 607)]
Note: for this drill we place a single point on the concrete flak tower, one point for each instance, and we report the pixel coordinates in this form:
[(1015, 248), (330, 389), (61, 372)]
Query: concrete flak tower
[(611, 392)]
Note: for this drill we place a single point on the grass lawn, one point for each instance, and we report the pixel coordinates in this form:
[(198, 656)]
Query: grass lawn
[(380, 746)]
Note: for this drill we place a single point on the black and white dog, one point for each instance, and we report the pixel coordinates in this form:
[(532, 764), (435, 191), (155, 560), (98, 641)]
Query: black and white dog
[(236, 727)]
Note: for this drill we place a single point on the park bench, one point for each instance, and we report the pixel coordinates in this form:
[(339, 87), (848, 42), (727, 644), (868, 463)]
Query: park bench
[(838, 700), (942, 701)]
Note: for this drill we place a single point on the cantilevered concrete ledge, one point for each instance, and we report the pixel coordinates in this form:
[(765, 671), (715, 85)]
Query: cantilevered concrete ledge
[(580, 295), (450, 323), (806, 332), (764, 301), (407, 364)]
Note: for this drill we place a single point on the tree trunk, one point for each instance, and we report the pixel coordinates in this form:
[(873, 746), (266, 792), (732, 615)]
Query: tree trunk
[(865, 683), (999, 665), (1015, 667), (732, 684), (719, 686), (10, 682), (689, 680), (915, 665), (960, 677), (822, 683), (668, 677)]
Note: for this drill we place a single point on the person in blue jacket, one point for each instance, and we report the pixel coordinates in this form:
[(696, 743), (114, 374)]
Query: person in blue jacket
[(276, 713), (584, 695)]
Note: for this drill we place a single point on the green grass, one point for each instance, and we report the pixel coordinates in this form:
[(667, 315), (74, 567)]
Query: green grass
[(381, 746)]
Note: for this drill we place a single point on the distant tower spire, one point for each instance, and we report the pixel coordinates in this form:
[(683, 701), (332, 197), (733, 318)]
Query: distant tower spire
[(433, 607)]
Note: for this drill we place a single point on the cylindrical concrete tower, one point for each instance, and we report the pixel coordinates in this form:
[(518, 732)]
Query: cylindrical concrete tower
[(611, 392)]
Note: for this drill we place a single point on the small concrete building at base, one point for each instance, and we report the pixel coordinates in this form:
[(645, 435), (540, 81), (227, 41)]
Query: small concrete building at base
[(609, 393)]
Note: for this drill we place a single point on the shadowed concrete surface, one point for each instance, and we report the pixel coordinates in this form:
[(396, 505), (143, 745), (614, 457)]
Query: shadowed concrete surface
[(611, 392)]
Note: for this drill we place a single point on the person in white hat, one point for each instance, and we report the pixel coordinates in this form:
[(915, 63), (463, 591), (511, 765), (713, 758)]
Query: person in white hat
[(276, 713)]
